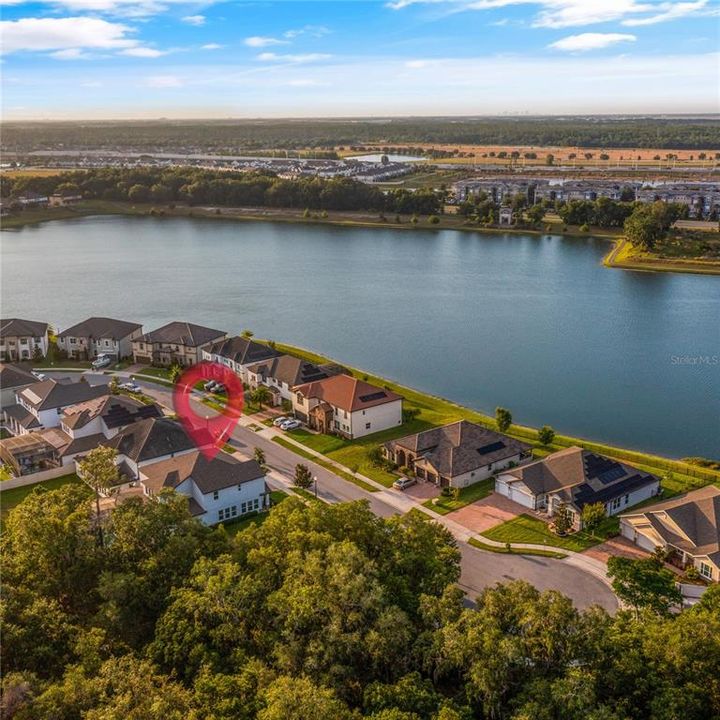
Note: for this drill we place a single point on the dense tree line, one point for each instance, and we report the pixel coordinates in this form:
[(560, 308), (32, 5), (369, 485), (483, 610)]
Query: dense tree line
[(237, 136), (320, 612), (230, 189)]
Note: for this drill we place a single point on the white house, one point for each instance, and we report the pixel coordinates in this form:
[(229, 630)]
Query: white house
[(344, 405), (237, 353), (574, 478), (218, 490), (99, 336), (282, 374), (456, 455), (22, 339)]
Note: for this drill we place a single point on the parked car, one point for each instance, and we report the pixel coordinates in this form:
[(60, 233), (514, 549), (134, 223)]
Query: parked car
[(277, 422), (131, 387), (291, 424), (219, 389), (101, 361), (209, 386), (404, 482), (38, 374)]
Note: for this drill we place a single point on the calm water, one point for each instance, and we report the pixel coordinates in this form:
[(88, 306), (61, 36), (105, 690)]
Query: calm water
[(532, 323)]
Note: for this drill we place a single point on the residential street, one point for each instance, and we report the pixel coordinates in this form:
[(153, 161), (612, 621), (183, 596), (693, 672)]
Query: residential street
[(480, 568)]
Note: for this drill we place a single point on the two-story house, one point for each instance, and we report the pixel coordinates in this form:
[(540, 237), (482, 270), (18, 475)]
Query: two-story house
[(99, 336), (218, 490), (282, 374), (237, 353), (13, 378), (22, 339), (346, 406), (176, 342)]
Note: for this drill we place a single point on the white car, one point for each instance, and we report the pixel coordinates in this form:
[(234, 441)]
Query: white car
[(131, 387), (101, 361), (291, 425), (38, 374), (277, 422), (403, 483)]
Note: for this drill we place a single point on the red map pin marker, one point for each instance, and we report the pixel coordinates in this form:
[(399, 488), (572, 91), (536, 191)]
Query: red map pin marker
[(208, 433)]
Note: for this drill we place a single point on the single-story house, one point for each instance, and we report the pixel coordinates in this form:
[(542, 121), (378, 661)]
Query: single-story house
[(22, 339), (687, 526), (282, 374), (237, 353), (574, 478), (218, 490), (346, 406), (99, 336), (176, 342), (456, 455)]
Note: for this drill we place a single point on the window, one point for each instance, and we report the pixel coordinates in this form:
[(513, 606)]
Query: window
[(367, 426), (706, 570), (216, 495), (243, 508), (256, 504), (227, 513), (73, 341), (626, 500)]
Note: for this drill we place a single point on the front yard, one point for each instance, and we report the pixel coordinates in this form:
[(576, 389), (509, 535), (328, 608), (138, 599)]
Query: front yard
[(530, 530), (444, 505)]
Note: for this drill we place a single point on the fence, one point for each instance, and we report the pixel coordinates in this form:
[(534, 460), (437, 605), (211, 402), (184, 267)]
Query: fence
[(25, 480)]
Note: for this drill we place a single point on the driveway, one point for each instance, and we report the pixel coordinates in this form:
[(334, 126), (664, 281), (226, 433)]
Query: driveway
[(487, 513), (616, 547)]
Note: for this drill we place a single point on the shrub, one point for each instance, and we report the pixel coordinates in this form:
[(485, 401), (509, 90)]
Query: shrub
[(433, 219), (584, 228)]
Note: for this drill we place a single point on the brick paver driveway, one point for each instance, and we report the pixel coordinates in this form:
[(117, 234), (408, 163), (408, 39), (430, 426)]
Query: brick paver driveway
[(617, 547), (488, 512)]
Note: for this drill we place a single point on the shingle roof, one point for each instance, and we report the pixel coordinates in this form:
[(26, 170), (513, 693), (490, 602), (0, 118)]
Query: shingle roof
[(151, 438), (182, 333), (242, 350), (59, 394), (14, 376), (347, 393), (222, 471), (16, 327), (461, 447), (289, 369), (101, 327), (115, 410), (21, 416)]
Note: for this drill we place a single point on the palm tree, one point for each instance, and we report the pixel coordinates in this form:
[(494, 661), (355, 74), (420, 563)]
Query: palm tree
[(259, 455), (261, 396)]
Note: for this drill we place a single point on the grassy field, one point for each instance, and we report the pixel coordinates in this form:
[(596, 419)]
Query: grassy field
[(530, 530), (672, 256), (236, 526), (471, 494)]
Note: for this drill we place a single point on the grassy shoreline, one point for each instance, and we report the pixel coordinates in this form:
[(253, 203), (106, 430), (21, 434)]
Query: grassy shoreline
[(624, 257)]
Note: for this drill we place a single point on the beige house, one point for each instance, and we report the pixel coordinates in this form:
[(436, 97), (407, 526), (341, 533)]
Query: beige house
[(176, 342), (22, 339), (99, 336), (687, 526)]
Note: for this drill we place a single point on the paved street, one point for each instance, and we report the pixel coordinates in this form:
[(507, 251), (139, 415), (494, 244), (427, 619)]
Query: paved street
[(480, 568)]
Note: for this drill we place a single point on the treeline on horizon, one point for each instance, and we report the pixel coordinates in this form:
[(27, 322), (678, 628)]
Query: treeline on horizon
[(238, 136), (319, 612), (227, 189)]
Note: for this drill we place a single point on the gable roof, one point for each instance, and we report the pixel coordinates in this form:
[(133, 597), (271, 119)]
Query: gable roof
[(115, 410), (460, 447), (222, 471), (14, 376), (182, 333), (15, 327), (347, 393), (101, 327), (690, 521), (151, 438), (581, 477), (289, 369), (242, 350), (51, 393)]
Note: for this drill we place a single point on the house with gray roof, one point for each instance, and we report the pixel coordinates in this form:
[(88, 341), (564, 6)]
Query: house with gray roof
[(99, 336), (178, 343), (456, 455), (238, 353), (574, 478), (220, 489), (12, 379), (687, 526), (283, 373), (22, 339)]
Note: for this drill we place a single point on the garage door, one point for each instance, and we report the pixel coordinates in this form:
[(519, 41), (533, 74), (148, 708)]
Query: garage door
[(520, 497)]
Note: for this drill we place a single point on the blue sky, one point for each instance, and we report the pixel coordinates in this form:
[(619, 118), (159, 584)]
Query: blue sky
[(66, 59)]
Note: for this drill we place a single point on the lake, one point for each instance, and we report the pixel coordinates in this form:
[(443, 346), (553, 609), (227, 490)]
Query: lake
[(533, 323)]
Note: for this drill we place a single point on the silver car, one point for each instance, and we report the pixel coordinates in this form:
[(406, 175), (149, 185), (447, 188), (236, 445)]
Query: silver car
[(403, 483)]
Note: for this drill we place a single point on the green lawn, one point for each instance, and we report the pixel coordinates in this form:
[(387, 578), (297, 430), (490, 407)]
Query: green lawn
[(468, 495), (234, 527), (10, 498), (527, 529), (158, 372), (493, 548)]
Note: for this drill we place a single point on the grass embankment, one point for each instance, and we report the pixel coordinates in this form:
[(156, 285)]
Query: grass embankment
[(669, 257), (438, 411)]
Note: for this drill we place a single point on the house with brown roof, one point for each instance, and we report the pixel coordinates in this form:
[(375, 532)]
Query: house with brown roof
[(175, 343), (573, 478), (219, 489), (237, 353), (99, 336), (344, 405), (22, 339), (688, 527), (456, 455), (282, 374)]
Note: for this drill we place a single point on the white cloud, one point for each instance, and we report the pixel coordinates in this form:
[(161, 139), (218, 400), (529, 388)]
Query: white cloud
[(313, 30), (194, 20), (211, 46), (70, 54), (122, 8), (590, 41), (163, 81), (143, 52), (71, 33), (671, 11), (259, 41), (300, 58)]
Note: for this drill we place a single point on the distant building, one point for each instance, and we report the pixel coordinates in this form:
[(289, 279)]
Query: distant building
[(22, 339), (63, 200), (238, 353), (176, 342), (99, 336), (506, 215), (281, 375)]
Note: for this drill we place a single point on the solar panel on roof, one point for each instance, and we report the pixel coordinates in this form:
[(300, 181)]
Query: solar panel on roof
[(595, 465), (610, 475), (373, 396), (492, 447)]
